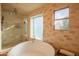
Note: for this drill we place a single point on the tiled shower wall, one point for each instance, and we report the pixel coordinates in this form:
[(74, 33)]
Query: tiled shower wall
[(68, 39), (14, 35), (0, 26)]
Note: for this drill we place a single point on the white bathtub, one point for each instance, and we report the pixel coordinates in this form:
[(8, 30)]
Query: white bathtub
[(32, 48)]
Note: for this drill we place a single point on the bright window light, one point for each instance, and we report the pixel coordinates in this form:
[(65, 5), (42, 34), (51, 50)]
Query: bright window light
[(36, 27), (62, 19)]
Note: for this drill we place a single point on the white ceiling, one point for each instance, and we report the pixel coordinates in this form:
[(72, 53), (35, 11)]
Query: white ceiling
[(26, 7)]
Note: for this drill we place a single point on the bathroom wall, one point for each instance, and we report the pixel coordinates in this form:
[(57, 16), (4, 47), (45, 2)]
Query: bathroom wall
[(0, 26), (14, 35), (69, 39)]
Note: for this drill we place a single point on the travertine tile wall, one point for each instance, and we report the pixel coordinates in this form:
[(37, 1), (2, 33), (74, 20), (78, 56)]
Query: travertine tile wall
[(14, 35), (0, 26), (69, 39)]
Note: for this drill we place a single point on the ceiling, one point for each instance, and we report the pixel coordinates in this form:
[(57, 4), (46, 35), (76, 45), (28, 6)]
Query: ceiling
[(25, 8)]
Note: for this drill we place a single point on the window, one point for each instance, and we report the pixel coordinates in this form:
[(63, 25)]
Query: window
[(36, 27), (62, 19)]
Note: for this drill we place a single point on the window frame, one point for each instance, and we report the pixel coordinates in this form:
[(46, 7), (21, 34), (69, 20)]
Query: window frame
[(31, 18), (60, 19)]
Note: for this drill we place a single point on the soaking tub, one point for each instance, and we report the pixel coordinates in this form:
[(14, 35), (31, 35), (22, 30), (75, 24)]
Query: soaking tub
[(32, 48)]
